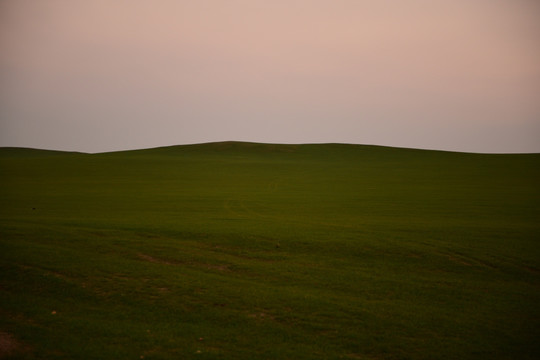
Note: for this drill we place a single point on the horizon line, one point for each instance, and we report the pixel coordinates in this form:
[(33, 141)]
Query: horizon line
[(264, 143)]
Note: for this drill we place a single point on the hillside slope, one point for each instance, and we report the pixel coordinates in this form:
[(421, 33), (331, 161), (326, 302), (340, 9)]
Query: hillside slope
[(243, 250)]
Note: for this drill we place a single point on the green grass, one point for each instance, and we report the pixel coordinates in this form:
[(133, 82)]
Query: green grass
[(258, 251)]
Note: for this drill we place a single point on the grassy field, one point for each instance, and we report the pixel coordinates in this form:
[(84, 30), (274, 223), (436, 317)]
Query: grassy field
[(257, 251)]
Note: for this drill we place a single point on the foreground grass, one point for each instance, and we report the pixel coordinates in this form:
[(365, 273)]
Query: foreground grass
[(243, 251)]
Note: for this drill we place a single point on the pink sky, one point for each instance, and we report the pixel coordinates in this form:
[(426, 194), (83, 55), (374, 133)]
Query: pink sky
[(102, 75)]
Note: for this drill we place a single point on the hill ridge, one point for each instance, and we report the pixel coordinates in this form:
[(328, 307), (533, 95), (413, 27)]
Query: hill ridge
[(232, 145)]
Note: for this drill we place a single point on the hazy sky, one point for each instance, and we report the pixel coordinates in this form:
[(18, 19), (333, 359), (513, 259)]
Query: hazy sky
[(102, 75)]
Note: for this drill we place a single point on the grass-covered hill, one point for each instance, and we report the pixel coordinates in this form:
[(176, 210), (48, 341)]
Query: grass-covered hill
[(260, 251)]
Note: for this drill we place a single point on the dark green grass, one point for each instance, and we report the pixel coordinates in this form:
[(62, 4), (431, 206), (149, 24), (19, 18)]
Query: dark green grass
[(258, 251)]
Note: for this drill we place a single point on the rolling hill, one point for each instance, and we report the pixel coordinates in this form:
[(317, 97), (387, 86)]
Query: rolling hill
[(238, 250)]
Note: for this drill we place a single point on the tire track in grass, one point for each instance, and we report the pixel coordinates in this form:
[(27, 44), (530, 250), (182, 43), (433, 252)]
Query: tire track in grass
[(231, 208)]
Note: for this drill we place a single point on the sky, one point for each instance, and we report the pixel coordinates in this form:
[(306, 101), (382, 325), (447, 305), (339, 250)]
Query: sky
[(106, 75)]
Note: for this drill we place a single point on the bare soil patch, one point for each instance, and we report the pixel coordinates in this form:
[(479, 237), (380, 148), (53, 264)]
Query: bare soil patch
[(10, 346)]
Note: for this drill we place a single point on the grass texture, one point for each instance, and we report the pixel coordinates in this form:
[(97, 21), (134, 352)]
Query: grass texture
[(259, 251)]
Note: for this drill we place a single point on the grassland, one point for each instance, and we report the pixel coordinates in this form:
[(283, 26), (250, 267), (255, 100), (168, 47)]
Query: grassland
[(257, 251)]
